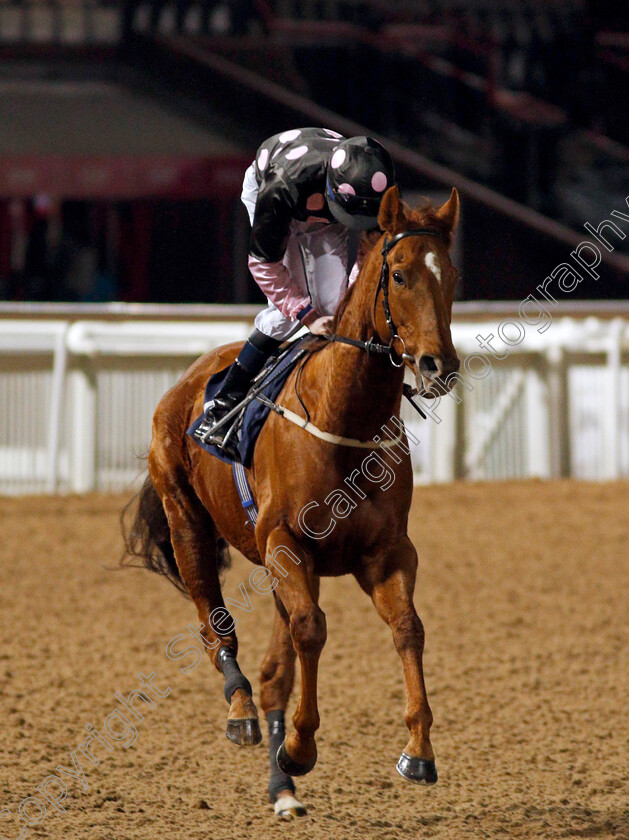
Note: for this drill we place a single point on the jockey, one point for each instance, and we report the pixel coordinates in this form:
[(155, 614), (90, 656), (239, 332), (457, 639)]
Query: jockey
[(304, 190)]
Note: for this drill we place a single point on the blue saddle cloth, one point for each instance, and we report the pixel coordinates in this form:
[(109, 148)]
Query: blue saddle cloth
[(256, 412)]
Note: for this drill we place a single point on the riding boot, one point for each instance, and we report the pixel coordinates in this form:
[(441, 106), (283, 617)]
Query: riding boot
[(235, 387), (232, 391)]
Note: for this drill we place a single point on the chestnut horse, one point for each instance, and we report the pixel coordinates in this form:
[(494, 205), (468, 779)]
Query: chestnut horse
[(403, 296)]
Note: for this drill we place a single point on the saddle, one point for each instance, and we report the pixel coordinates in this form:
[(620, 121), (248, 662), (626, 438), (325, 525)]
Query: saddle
[(254, 408)]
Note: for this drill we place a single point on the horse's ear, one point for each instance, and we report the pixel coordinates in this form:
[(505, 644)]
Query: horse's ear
[(449, 212), (391, 217)]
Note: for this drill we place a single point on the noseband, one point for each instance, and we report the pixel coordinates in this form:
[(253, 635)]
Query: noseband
[(372, 346)]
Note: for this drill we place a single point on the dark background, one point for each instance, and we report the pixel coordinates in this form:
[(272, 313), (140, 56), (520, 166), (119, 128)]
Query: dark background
[(522, 106)]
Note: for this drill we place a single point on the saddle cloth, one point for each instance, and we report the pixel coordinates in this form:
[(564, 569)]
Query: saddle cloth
[(256, 412)]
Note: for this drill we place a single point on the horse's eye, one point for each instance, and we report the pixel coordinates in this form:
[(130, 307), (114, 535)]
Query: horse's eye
[(398, 278)]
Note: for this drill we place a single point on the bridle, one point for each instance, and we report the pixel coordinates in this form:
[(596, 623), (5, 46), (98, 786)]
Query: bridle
[(372, 346), (388, 246)]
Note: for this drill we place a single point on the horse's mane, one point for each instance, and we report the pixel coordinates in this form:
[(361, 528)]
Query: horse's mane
[(426, 216), (367, 242), (423, 216)]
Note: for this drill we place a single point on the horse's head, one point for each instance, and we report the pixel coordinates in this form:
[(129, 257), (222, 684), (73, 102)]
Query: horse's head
[(421, 282)]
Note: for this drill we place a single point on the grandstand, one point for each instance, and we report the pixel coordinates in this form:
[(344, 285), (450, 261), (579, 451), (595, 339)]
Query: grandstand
[(144, 114)]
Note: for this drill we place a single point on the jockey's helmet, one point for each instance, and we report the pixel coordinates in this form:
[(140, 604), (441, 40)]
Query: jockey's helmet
[(359, 172)]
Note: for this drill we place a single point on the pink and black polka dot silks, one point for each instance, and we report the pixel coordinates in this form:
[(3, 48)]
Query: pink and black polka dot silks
[(292, 170)]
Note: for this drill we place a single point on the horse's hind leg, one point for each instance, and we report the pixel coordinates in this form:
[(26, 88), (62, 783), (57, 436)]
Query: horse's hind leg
[(390, 580), (197, 549), (277, 676), (297, 589)]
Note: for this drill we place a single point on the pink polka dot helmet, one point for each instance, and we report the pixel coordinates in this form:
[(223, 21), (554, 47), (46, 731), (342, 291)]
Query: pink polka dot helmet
[(360, 170)]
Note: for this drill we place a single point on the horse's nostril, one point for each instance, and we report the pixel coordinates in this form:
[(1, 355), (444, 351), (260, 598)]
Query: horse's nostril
[(430, 366)]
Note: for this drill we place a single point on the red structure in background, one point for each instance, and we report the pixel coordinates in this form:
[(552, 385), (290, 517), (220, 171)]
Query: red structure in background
[(121, 178), (124, 199)]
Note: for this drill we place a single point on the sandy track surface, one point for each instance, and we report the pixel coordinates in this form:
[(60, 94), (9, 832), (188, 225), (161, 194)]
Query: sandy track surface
[(524, 593)]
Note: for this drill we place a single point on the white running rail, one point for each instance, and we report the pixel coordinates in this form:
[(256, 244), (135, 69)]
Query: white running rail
[(77, 395)]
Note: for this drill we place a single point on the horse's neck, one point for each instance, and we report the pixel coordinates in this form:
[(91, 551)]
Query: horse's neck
[(359, 392)]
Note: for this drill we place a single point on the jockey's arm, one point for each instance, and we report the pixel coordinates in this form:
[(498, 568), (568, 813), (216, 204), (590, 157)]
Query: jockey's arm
[(269, 238)]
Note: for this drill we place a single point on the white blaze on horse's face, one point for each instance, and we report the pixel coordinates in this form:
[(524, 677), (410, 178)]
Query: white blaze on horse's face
[(432, 262)]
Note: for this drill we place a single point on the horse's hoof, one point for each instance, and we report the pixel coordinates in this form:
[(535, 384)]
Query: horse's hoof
[(419, 770), (288, 807), (245, 732), (289, 765)]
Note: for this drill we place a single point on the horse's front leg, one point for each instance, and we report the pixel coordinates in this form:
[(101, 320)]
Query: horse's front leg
[(389, 579), (297, 590)]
